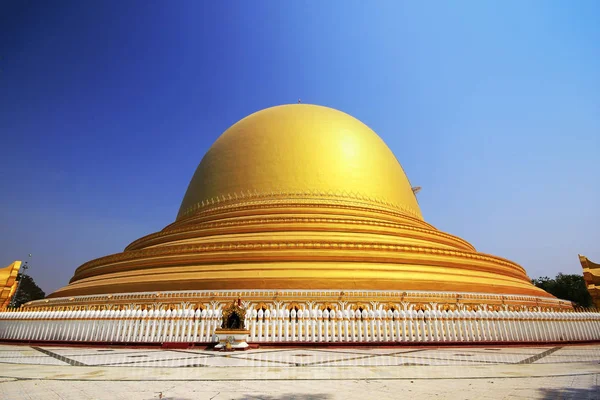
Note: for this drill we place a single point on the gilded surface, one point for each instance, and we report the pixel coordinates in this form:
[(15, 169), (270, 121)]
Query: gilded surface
[(8, 283), (295, 149), (591, 275), (297, 198)]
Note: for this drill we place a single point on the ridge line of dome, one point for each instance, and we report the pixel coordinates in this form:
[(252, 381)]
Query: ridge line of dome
[(345, 196)]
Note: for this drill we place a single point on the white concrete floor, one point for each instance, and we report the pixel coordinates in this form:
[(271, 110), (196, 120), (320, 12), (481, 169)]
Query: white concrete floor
[(551, 372)]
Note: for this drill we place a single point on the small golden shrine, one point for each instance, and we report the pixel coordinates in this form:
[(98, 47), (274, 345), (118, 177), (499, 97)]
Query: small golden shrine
[(8, 283), (591, 275), (233, 334)]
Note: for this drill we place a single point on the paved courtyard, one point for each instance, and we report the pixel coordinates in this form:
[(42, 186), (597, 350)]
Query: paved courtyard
[(545, 372)]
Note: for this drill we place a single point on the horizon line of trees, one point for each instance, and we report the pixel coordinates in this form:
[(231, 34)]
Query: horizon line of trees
[(566, 287)]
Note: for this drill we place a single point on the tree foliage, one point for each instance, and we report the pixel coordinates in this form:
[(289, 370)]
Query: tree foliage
[(27, 291), (566, 287)]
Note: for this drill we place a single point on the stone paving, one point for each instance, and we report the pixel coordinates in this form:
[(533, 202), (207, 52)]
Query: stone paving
[(545, 372)]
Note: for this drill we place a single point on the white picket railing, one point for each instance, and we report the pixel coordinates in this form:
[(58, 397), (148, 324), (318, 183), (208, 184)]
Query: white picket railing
[(316, 325)]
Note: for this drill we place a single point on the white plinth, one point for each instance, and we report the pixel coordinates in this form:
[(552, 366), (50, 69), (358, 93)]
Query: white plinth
[(234, 339)]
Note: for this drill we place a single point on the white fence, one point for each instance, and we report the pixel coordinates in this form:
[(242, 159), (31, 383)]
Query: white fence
[(283, 325)]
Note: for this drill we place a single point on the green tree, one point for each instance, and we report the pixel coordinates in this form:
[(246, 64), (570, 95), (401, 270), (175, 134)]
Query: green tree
[(567, 287), (27, 291)]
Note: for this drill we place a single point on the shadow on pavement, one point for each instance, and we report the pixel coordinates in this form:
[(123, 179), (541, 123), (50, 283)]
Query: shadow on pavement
[(591, 393)]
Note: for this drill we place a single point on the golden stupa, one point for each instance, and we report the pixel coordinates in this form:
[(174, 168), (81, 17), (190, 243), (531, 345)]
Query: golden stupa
[(300, 203)]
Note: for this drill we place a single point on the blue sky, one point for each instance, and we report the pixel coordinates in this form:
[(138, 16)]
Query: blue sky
[(107, 107)]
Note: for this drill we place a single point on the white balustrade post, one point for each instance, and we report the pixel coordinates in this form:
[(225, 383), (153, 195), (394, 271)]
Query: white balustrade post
[(506, 329), (110, 324), (539, 321), (404, 316), (479, 323), (27, 326), (352, 323), (307, 325), (365, 325), (176, 325), (447, 332), (274, 316), (136, 316), (339, 316), (420, 326), (325, 320), (267, 325), (435, 317), (397, 336), (261, 316), (595, 325), (509, 330), (217, 322), (512, 326), (521, 326), (23, 324), (527, 325), (471, 327), (160, 316), (102, 325), (286, 327), (457, 326), (301, 325), (94, 325), (168, 328), (253, 332), (377, 325), (565, 332), (579, 323), (34, 326), (319, 322), (572, 318), (248, 319), (427, 326), (388, 328), (572, 326), (86, 325), (191, 330), (371, 336), (494, 328), (412, 329), (148, 333), (294, 317), (313, 318), (51, 324), (281, 336), (535, 329), (31, 333), (551, 324), (209, 324), (185, 334)]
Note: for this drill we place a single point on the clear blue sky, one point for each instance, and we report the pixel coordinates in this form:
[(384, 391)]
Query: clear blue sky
[(107, 107)]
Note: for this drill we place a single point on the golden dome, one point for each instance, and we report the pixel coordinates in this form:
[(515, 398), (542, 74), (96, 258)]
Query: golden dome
[(295, 199), (300, 149)]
